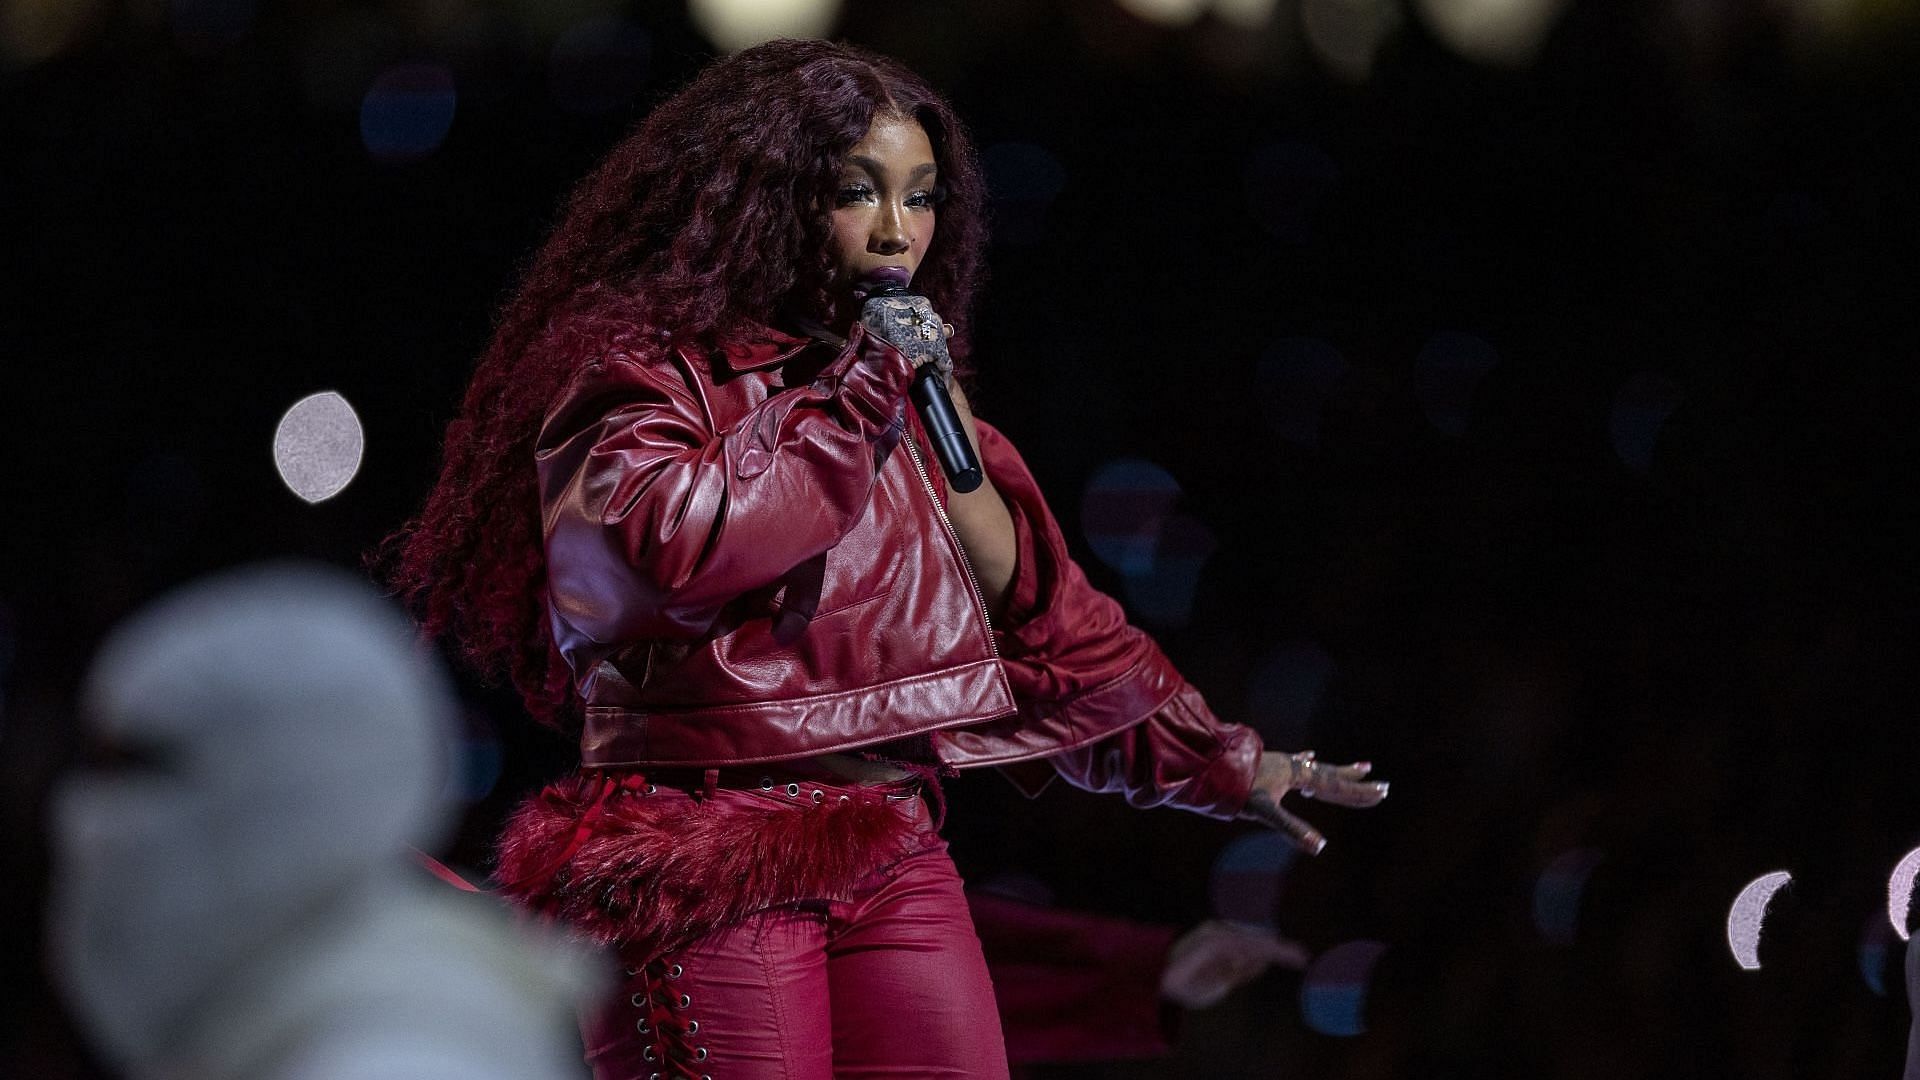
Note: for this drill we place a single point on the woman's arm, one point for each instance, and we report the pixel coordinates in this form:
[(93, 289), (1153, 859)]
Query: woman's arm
[(1103, 691), (653, 521)]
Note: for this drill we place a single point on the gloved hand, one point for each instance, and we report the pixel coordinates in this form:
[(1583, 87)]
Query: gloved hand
[(909, 323)]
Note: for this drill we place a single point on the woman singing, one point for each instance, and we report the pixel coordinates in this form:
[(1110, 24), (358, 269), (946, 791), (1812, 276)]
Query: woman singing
[(688, 509)]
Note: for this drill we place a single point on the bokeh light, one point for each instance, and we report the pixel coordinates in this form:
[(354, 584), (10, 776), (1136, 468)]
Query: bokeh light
[(1558, 891), (407, 112), (1748, 912), (207, 25), (599, 64), (1244, 885), (32, 31), (1506, 32), (1024, 180), (1286, 690), (739, 24), (1295, 378), (1900, 893), (1165, 12), (1247, 14), (1640, 410), (1163, 595), (1346, 35), (1285, 184), (1878, 946), (318, 445), (1446, 375), (1333, 994), (1123, 511)]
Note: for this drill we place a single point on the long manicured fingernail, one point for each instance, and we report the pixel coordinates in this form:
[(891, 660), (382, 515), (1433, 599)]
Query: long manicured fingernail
[(1383, 789), (1319, 847)]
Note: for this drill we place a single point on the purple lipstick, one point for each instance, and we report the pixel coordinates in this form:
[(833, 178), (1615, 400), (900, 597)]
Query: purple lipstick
[(882, 275)]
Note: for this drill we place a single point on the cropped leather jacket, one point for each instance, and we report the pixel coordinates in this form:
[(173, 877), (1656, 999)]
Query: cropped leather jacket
[(749, 560)]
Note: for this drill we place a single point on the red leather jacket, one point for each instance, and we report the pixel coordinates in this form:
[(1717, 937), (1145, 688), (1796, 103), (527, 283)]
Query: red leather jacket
[(747, 562)]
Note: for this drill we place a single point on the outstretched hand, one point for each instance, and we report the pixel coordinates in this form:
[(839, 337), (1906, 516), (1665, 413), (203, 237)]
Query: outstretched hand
[(1217, 957), (1345, 785)]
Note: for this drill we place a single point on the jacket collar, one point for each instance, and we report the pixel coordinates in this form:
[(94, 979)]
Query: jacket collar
[(759, 348)]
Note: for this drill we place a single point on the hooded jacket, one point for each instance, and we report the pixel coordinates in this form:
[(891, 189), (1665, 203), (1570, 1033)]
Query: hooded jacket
[(749, 560)]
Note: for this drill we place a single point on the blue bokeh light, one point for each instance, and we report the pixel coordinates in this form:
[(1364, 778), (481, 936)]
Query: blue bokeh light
[(1333, 995), (1878, 945), (1245, 882), (1123, 511), (1164, 594), (1446, 374), (407, 112), (1558, 892), (1640, 410), (1295, 378)]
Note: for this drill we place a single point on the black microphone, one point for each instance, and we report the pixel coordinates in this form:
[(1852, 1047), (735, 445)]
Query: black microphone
[(937, 414)]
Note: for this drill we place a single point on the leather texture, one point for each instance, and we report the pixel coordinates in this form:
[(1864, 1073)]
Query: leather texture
[(747, 563)]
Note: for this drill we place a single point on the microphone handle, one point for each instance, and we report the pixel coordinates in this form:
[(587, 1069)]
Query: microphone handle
[(937, 415)]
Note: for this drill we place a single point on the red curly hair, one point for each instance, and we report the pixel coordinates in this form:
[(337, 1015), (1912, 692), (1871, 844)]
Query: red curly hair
[(709, 217)]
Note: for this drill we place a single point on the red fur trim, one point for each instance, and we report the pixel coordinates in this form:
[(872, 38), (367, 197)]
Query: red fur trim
[(657, 874)]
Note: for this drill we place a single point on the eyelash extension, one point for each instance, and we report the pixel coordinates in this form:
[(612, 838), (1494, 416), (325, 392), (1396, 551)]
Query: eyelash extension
[(851, 192)]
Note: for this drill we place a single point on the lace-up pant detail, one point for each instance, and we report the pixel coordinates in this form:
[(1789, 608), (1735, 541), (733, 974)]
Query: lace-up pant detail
[(664, 1022), (886, 983)]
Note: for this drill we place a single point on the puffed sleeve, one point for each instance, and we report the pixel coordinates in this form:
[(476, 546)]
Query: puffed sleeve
[(653, 520), (1099, 704)]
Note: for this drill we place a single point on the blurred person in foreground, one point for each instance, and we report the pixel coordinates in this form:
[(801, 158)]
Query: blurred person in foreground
[(1080, 987), (233, 891), (1913, 1002), (687, 509)]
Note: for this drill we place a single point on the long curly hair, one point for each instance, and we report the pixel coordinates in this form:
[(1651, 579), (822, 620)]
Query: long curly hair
[(710, 216)]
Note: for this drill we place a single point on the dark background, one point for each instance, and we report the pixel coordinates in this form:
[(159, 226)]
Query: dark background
[(1541, 433)]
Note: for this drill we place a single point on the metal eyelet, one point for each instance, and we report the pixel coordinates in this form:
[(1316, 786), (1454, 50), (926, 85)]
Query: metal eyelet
[(651, 789), (793, 789), (643, 1027), (676, 971), (766, 783), (819, 796), (632, 972), (685, 1000), (846, 798), (639, 1002), (693, 1027), (649, 1056), (699, 1053)]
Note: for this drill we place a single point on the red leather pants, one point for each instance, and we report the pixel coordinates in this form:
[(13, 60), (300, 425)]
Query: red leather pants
[(889, 982)]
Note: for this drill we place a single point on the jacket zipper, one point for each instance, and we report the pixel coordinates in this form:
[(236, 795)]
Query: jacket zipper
[(979, 598)]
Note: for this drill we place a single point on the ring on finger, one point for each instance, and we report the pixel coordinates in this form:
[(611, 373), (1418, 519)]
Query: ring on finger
[(1303, 765)]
